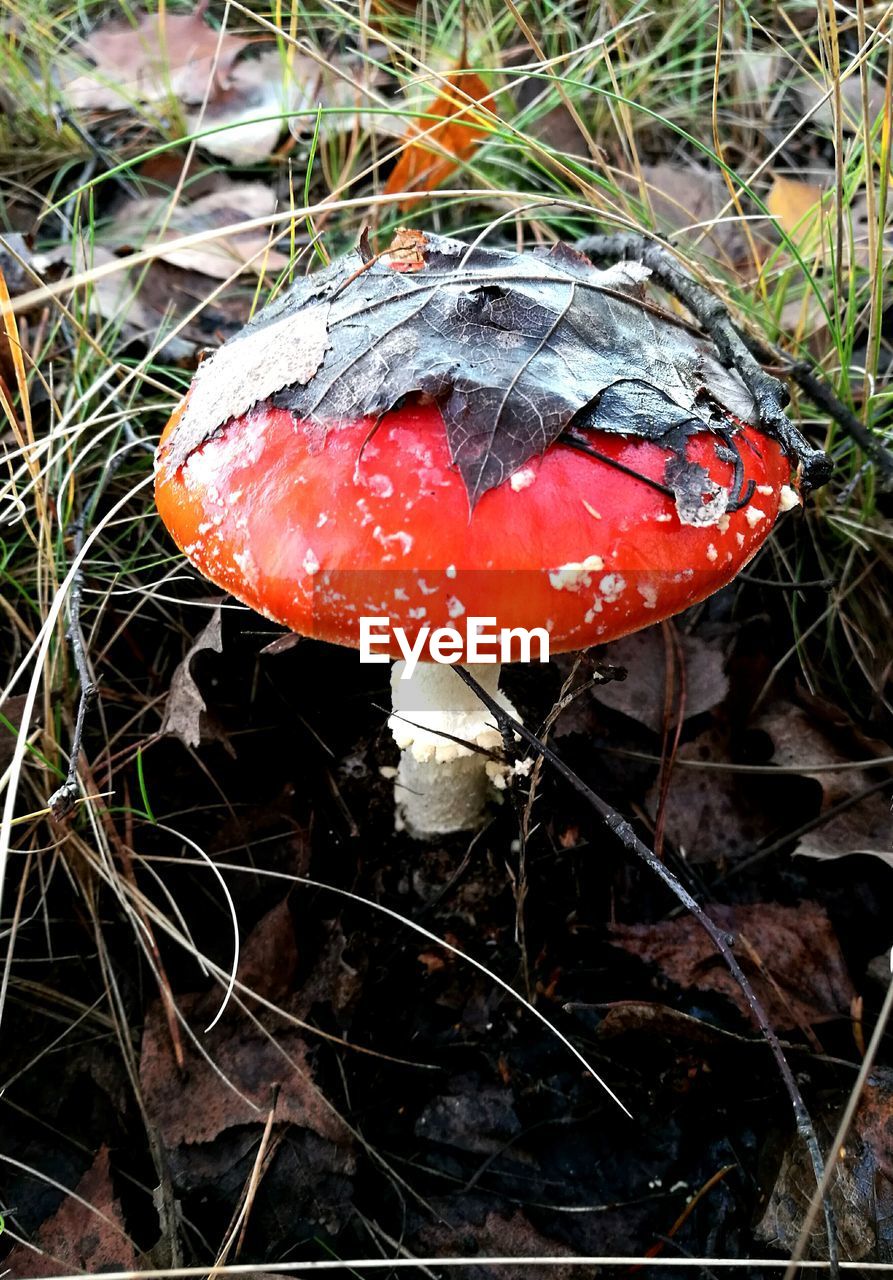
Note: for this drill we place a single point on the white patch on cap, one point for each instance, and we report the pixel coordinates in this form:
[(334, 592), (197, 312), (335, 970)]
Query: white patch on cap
[(612, 586), (311, 564), (404, 539), (522, 479), (788, 498), (753, 515), (574, 575), (648, 592), (381, 486)]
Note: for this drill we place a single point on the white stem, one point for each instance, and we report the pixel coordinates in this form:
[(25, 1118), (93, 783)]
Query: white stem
[(443, 786)]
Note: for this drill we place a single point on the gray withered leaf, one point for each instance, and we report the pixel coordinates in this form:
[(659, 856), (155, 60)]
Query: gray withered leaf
[(515, 347)]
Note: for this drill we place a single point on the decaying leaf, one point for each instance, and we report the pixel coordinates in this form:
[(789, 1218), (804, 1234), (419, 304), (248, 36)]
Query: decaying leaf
[(795, 206), (85, 1234), (435, 151), (233, 1069), (691, 202), (642, 694), (818, 98), (264, 96), (861, 1190), (712, 816), (148, 304), (490, 1233), (865, 827), (163, 55), (185, 704), (150, 220), (516, 349), (791, 955)]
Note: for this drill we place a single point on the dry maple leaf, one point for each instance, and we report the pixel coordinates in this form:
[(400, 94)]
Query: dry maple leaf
[(434, 152), (516, 348), (163, 55)]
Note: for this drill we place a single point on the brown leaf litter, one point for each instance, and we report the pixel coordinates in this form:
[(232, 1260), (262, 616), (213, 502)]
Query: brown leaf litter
[(791, 955)]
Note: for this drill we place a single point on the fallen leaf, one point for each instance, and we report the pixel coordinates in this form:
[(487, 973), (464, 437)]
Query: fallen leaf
[(440, 149), (664, 1023), (800, 976), (642, 694), (11, 710), (513, 346), (185, 705), (795, 206), (147, 304), (230, 1077), (758, 73), (140, 222), (268, 958), (491, 1233), (232, 1069), (712, 816), (85, 1234), (481, 1120), (861, 1190), (867, 826), (812, 93), (164, 55), (266, 95), (686, 199)]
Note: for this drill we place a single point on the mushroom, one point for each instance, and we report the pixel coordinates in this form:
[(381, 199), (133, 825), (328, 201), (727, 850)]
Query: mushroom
[(405, 451), (318, 533)]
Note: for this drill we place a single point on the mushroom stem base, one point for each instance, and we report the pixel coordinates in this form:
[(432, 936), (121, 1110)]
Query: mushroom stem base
[(443, 786)]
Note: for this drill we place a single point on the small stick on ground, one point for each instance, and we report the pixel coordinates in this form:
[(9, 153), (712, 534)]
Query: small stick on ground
[(623, 831), (62, 801), (769, 393)]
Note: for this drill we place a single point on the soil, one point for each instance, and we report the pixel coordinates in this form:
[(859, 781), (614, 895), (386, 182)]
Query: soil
[(386, 1095)]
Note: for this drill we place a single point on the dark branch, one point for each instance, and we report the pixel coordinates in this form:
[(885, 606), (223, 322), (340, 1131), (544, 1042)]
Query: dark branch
[(623, 831), (62, 801), (769, 394)]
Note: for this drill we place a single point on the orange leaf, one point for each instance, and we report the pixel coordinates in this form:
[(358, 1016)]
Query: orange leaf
[(795, 206), (435, 151)]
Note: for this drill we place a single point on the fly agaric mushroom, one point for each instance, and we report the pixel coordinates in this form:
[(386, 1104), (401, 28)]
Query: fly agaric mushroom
[(336, 463)]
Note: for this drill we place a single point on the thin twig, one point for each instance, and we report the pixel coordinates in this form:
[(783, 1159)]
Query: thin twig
[(623, 831), (769, 394), (62, 801)]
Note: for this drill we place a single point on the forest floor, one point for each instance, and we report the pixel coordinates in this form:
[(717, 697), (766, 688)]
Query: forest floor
[(411, 1061)]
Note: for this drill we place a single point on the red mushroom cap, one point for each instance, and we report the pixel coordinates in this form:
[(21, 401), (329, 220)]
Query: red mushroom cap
[(316, 528)]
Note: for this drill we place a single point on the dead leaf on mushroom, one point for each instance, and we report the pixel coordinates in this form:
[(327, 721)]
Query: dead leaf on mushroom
[(516, 348)]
